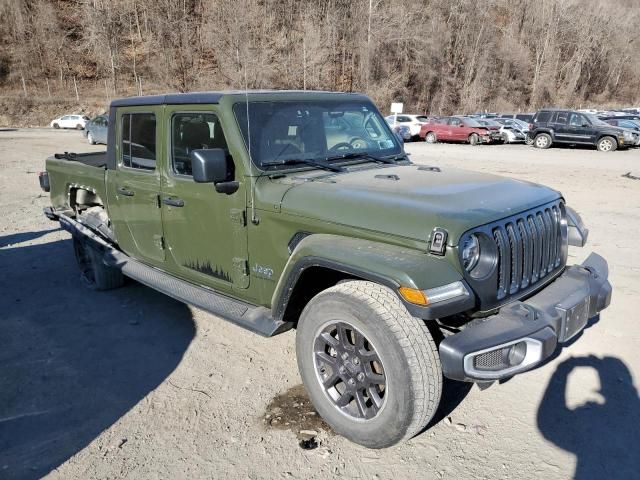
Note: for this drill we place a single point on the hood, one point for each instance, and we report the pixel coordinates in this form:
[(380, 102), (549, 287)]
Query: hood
[(411, 200)]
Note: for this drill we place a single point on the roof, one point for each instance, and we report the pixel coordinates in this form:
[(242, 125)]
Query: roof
[(207, 97)]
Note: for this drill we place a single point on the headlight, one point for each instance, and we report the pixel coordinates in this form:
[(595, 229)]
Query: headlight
[(628, 136), (470, 253)]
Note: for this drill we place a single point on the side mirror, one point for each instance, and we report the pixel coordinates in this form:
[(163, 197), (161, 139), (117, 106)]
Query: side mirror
[(585, 124), (461, 125), (209, 166)]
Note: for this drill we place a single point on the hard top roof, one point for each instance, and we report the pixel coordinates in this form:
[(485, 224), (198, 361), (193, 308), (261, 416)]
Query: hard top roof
[(212, 97)]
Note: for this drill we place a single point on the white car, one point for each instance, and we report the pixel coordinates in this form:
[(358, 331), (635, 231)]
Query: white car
[(414, 122), (70, 121)]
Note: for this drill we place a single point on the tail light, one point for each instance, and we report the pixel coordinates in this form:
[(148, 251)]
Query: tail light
[(531, 126), (43, 178)]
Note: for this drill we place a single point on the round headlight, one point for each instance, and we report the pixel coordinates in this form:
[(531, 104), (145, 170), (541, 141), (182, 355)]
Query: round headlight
[(470, 252)]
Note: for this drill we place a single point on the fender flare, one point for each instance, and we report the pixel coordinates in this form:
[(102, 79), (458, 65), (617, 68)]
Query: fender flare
[(383, 263)]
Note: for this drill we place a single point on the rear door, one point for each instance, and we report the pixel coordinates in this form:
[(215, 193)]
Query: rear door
[(560, 125), (134, 186)]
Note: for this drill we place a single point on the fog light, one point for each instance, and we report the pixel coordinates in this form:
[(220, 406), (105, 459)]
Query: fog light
[(517, 354)]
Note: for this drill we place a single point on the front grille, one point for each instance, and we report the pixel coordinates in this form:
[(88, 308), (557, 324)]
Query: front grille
[(530, 247)]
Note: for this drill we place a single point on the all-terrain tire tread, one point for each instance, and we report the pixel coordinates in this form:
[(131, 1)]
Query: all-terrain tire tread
[(415, 339)]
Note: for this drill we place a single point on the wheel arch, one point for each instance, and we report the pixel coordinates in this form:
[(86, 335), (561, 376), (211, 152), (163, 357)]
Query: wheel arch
[(320, 261)]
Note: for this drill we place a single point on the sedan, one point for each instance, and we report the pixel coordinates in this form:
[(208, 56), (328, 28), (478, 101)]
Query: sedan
[(457, 129), (70, 121)]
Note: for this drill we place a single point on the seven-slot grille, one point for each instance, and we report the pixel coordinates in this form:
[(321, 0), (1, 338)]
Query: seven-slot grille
[(529, 247)]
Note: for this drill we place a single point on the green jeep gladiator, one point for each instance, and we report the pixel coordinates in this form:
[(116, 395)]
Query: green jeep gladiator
[(282, 209)]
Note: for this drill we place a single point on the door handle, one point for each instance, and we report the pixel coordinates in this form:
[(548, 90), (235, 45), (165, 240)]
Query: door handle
[(125, 191), (173, 202)]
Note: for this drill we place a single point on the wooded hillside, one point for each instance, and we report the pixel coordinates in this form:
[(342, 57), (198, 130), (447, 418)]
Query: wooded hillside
[(437, 56)]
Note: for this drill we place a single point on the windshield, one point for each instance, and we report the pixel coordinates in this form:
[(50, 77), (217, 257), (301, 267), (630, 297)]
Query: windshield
[(595, 120), (470, 122), (313, 130)]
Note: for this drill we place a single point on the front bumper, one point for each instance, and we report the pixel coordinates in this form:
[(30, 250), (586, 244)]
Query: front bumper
[(523, 334)]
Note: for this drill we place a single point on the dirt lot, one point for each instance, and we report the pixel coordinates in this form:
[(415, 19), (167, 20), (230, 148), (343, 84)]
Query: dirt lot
[(132, 384)]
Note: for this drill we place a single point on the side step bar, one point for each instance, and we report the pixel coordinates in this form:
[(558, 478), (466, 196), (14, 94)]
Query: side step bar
[(255, 318)]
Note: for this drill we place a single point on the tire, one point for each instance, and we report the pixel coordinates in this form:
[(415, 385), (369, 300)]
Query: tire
[(431, 137), (542, 140), (474, 139), (607, 144), (391, 345), (93, 272), (56, 126), (90, 139), (79, 127)]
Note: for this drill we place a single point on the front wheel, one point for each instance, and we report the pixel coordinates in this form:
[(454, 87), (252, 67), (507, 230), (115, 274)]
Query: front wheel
[(607, 144), (371, 369), (474, 139), (56, 126)]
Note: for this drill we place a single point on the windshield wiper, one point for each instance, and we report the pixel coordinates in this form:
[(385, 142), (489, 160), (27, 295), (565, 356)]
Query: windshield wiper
[(306, 161), (363, 155)]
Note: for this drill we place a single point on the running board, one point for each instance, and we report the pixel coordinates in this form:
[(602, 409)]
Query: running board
[(255, 318)]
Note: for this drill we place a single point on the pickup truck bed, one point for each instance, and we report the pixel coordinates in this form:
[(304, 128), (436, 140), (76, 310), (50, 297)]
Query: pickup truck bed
[(93, 159), (67, 171)]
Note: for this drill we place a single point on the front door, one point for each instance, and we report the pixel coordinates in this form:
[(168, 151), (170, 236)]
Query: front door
[(580, 129), (134, 185), (205, 231)]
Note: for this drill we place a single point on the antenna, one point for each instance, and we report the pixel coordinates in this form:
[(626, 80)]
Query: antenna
[(252, 181)]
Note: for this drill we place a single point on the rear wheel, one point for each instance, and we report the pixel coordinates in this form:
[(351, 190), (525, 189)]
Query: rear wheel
[(93, 272), (79, 127), (542, 140), (607, 144), (474, 139), (431, 138), (371, 369), (55, 125)]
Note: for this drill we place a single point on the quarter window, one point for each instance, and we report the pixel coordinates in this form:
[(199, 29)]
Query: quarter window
[(193, 131), (562, 118), (139, 141)]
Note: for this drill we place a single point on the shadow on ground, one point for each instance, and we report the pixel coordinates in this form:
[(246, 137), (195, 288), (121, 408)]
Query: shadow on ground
[(73, 361), (604, 436)]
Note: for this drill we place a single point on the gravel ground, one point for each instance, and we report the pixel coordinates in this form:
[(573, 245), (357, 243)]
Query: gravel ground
[(132, 384)]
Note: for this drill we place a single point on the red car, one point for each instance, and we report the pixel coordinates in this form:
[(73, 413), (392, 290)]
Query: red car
[(458, 129)]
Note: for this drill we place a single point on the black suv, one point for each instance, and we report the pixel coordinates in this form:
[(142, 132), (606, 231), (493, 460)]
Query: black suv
[(552, 126)]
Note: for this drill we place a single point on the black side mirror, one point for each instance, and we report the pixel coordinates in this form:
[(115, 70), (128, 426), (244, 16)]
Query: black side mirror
[(210, 166), (585, 124)]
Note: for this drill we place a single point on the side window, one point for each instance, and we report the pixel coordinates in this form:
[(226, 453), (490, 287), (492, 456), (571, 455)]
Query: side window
[(562, 118), (454, 122), (542, 117), (138, 148), (193, 131), (576, 120)]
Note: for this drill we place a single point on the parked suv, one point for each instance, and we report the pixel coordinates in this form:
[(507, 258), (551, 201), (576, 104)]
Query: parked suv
[(551, 126)]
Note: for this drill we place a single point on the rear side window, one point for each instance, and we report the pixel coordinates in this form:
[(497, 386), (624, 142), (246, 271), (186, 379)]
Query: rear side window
[(561, 118), (542, 117), (138, 147)]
